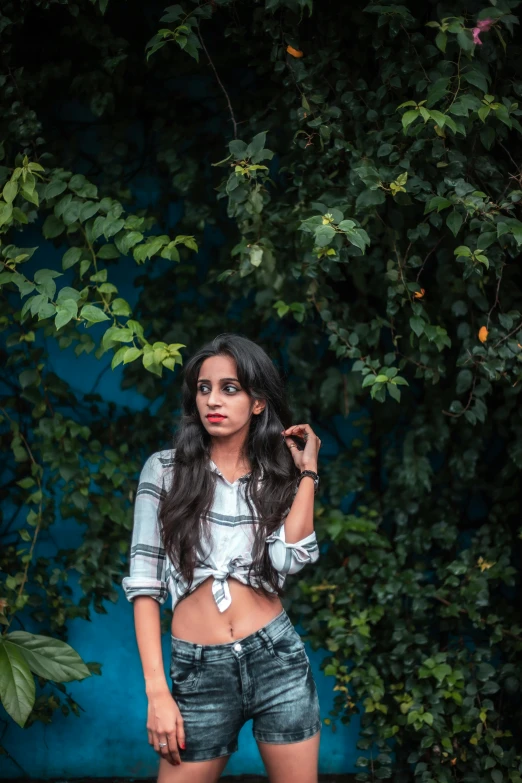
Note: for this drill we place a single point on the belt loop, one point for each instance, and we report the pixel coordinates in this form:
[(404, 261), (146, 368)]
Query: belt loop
[(198, 653), (266, 638)]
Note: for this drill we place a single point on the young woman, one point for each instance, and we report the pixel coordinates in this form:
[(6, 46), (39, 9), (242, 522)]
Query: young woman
[(220, 519)]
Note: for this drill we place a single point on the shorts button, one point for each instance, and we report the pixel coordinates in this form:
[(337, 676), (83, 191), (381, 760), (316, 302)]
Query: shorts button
[(237, 646)]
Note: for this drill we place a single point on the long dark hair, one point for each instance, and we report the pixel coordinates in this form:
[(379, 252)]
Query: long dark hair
[(271, 484)]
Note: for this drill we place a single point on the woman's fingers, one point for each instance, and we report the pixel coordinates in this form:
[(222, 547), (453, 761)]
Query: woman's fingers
[(167, 747), (167, 743), (305, 427), (303, 430), (180, 731), (173, 756)]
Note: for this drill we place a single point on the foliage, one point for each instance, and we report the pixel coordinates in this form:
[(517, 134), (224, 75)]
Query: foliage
[(370, 210)]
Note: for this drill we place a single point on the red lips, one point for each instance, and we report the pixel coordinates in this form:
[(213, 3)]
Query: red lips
[(215, 416)]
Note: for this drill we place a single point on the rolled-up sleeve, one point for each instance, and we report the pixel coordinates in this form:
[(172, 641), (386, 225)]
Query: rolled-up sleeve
[(147, 562), (291, 558)]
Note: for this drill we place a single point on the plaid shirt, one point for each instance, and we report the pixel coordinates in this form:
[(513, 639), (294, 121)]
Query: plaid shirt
[(229, 552)]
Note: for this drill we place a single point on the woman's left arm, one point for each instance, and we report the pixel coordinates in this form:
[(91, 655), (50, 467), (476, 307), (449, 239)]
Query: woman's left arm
[(295, 543), (300, 519)]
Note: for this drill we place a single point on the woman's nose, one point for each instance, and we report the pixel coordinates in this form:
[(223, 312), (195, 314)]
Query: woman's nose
[(213, 399)]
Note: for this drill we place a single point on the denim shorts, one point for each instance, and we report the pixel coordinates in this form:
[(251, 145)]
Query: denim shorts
[(265, 676)]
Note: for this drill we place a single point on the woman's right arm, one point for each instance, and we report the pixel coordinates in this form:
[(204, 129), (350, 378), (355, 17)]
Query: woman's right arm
[(146, 587), (164, 721)]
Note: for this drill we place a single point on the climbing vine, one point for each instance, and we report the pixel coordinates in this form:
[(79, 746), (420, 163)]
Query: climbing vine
[(353, 173)]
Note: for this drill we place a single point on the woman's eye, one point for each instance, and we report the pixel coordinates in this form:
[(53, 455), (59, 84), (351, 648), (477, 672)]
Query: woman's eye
[(204, 386)]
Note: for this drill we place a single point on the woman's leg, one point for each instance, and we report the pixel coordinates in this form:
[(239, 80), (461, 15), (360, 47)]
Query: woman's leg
[(192, 771), (294, 761)]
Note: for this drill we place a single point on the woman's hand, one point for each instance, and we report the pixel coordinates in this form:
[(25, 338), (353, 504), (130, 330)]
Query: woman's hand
[(165, 725), (307, 458)]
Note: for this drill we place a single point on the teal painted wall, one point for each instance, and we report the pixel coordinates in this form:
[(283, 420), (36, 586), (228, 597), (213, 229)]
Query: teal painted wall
[(109, 739)]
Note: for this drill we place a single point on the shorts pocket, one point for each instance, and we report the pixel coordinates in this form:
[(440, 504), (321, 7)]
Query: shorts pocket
[(184, 673), (289, 649)]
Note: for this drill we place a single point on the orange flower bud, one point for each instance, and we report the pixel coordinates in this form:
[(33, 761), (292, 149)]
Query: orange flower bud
[(419, 294), (483, 334), (294, 52)]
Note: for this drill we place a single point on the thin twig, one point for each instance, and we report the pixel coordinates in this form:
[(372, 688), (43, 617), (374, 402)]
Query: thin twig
[(231, 110), (465, 611), (470, 398), (497, 300), (433, 249), (517, 327)]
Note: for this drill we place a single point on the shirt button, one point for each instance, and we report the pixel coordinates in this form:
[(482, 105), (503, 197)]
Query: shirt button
[(237, 646)]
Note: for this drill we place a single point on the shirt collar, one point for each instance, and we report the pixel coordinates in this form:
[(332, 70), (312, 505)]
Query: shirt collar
[(212, 466)]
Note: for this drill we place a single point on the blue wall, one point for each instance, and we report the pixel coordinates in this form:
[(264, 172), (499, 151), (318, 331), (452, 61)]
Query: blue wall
[(109, 739)]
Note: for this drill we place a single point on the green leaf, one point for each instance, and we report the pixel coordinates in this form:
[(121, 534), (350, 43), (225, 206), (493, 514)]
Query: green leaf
[(454, 222), (71, 257), (409, 117), (441, 40), (417, 324), (49, 658), (464, 381), (465, 40), (394, 392), (87, 210), (108, 251), (370, 198), (93, 314), (54, 188), (131, 354), (120, 307), (65, 312), (238, 149), (324, 235), (10, 190), (71, 212), (17, 687), (6, 211), (256, 145), (475, 77), (52, 227), (438, 203), (19, 216), (439, 117), (462, 250)]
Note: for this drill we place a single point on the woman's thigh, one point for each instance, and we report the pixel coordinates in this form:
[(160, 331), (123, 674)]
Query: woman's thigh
[(294, 761), (192, 771)]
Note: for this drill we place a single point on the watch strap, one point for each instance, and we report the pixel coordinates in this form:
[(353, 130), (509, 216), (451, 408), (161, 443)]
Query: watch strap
[(313, 475)]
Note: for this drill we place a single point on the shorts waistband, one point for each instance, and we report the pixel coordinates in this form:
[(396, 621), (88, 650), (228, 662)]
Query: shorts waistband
[(236, 649)]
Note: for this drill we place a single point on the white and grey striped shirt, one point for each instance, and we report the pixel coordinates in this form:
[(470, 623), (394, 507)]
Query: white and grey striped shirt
[(228, 553)]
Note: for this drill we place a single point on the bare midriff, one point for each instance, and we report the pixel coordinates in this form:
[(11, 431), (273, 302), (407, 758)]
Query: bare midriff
[(197, 618)]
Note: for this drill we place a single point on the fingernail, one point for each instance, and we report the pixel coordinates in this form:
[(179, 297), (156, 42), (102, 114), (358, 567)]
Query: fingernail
[(182, 744)]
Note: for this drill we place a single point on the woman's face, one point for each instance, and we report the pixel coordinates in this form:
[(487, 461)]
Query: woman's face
[(219, 392)]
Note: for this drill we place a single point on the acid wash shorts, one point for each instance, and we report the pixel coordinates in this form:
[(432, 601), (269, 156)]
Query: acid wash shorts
[(265, 676)]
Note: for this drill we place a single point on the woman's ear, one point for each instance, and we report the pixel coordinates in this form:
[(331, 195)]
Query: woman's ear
[(259, 406)]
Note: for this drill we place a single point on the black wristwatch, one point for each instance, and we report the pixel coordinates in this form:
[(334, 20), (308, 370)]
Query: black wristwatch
[(311, 473)]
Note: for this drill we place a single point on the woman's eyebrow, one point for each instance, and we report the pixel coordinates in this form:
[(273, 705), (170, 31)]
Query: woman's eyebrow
[(206, 380)]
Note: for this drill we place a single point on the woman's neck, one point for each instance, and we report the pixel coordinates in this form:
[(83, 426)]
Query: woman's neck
[(230, 459)]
